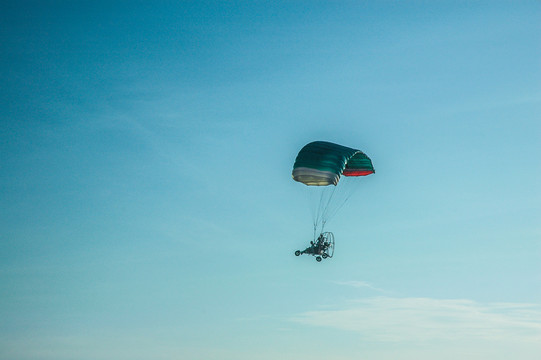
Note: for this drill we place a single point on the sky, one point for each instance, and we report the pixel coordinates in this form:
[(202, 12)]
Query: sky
[(147, 205)]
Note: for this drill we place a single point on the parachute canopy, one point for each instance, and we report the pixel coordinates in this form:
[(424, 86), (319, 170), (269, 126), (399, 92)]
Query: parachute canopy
[(321, 163)]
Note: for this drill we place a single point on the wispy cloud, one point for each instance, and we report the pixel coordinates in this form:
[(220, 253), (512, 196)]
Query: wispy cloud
[(359, 284), (422, 319)]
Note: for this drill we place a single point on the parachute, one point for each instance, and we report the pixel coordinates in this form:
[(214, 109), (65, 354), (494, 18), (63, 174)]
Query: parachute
[(320, 164)]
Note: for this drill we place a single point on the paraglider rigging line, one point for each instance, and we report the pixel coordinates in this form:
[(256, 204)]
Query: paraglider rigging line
[(324, 211)]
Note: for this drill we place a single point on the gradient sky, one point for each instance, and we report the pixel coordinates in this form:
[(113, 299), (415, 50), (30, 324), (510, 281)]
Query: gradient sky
[(148, 210)]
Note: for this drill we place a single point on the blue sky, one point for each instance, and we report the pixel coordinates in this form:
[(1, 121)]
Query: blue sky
[(148, 209)]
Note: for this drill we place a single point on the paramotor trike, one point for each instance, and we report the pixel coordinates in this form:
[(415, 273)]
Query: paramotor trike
[(322, 248)]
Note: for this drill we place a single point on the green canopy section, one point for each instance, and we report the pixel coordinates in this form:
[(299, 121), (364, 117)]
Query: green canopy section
[(321, 163)]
